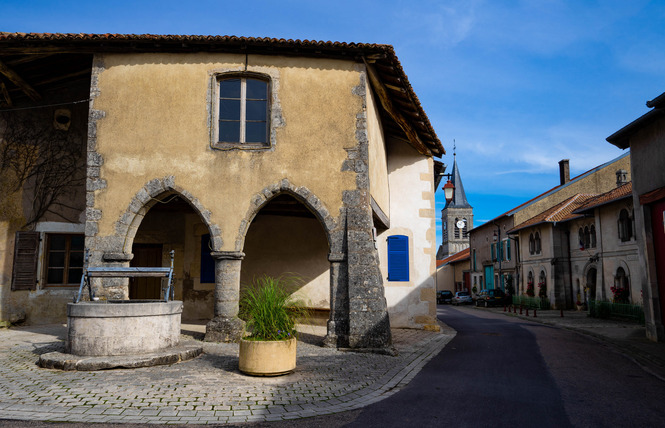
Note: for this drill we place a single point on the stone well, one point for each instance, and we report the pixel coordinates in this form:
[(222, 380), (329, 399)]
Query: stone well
[(122, 327)]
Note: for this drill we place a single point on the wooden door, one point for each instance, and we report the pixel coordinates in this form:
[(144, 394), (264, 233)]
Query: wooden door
[(489, 277), (146, 255)]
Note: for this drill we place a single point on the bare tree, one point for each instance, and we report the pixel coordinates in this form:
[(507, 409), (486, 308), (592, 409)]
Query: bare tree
[(48, 163)]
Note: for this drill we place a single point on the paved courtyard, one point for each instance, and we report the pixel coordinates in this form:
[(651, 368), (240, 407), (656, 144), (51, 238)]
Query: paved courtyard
[(208, 389)]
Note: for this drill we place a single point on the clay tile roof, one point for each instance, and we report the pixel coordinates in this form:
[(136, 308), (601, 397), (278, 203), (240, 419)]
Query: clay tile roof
[(381, 57), (621, 192), (563, 211), (457, 257)]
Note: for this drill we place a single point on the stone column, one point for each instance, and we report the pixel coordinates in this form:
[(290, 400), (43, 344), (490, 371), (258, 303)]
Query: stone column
[(226, 326), (338, 323)]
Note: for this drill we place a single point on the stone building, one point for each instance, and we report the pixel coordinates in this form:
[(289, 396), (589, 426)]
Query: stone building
[(645, 137), (499, 252), (581, 247), (245, 156)]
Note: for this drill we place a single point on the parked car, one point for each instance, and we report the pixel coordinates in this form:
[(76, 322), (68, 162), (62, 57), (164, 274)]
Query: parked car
[(444, 296), (494, 297), (462, 298)]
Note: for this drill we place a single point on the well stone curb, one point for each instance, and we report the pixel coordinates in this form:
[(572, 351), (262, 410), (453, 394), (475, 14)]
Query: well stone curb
[(175, 354)]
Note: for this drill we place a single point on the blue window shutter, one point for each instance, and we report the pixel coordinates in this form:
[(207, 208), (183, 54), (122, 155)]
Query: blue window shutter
[(207, 262), (508, 249), (398, 258)]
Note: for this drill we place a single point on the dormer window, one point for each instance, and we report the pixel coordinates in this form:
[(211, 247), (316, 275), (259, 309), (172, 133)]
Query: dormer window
[(243, 112)]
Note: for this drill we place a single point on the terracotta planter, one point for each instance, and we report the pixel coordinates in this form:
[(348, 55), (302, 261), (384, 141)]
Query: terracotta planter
[(267, 358)]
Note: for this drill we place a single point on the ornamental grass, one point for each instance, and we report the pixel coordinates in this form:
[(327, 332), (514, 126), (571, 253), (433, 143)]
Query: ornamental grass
[(269, 308)]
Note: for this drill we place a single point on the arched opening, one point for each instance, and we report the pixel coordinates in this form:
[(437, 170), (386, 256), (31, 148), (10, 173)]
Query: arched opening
[(542, 284), (532, 244), (625, 226), (529, 285), (172, 224), (621, 289), (591, 283), (286, 239)]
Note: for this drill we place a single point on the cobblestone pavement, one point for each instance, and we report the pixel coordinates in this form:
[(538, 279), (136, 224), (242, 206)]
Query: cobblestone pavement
[(208, 389)]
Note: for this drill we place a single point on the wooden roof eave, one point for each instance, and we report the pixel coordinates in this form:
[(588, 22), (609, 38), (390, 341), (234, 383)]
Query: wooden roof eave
[(386, 102)]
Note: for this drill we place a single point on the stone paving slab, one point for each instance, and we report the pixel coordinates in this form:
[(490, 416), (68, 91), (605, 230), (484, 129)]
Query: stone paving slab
[(209, 389)]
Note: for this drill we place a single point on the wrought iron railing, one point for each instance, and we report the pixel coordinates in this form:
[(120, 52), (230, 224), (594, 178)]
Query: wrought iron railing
[(605, 309), (532, 302)]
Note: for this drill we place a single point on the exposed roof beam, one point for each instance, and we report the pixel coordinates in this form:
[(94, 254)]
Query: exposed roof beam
[(5, 94), (18, 81), (27, 58), (387, 104), (63, 77)]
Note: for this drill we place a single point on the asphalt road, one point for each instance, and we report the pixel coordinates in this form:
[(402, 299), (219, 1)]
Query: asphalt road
[(506, 372)]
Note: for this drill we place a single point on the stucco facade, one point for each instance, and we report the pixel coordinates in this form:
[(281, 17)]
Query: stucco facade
[(341, 170)]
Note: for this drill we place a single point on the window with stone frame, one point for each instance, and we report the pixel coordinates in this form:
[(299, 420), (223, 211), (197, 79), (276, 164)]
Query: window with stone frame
[(537, 245), (243, 111), (532, 244), (592, 234), (625, 224), (64, 259)]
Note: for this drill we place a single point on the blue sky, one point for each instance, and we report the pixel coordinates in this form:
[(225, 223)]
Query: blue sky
[(519, 85)]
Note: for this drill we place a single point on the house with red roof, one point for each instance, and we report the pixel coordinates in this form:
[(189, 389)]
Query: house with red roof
[(245, 156)]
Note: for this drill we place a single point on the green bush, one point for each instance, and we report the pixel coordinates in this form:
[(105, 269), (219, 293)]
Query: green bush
[(269, 308)]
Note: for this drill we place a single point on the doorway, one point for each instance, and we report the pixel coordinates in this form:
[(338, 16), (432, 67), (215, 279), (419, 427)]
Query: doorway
[(591, 283), (146, 255)]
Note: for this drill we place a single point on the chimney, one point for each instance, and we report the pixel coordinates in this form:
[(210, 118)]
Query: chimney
[(622, 177), (564, 171)]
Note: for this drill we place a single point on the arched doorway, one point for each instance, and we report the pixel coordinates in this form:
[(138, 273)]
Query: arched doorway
[(286, 239), (591, 283), (172, 224)]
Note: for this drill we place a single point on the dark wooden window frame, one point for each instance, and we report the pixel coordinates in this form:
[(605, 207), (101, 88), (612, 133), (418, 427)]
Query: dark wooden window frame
[(66, 266)]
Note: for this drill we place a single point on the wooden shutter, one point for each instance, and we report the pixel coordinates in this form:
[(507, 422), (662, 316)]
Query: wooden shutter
[(26, 248), (508, 249), (398, 258)]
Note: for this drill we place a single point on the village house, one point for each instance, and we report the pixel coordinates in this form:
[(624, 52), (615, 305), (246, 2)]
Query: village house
[(246, 156), (452, 273), (524, 247), (645, 137)]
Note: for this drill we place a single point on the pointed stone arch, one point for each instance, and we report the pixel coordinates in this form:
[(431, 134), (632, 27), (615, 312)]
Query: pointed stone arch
[(153, 192), (301, 194)]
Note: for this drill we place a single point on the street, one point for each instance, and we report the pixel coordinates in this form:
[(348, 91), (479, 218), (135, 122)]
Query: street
[(500, 371)]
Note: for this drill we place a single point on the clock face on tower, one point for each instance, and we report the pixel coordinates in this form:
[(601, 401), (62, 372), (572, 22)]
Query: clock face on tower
[(460, 224)]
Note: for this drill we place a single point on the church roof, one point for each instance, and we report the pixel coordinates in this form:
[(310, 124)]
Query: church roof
[(459, 197)]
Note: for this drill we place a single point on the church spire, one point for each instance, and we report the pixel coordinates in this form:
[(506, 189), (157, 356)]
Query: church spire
[(459, 197)]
